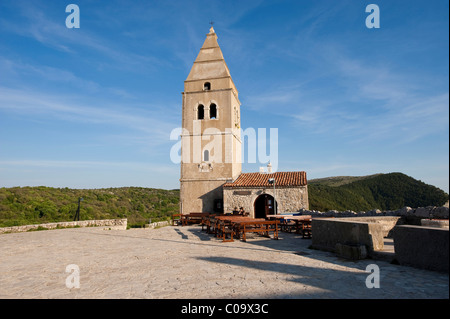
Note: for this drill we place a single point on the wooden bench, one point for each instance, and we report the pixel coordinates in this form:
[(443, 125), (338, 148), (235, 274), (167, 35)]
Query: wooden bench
[(223, 226), (256, 226), (206, 222), (229, 232), (175, 219), (192, 218), (306, 229), (296, 223), (288, 226)]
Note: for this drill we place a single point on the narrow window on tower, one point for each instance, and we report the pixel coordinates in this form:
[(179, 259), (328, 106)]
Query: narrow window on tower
[(212, 111), (201, 112), (206, 156), (206, 86)]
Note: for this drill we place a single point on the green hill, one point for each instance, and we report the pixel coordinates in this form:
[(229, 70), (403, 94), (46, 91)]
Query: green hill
[(339, 180), (36, 205), (383, 191)]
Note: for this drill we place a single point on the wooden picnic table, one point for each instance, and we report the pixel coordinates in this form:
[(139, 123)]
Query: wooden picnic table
[(225, 224), (192, 218), (299, 223), (306, 228), (229, 226), (210, 222), (256, 225)]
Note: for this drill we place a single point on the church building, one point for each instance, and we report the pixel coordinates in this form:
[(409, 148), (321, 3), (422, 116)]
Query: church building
[(211, 147)]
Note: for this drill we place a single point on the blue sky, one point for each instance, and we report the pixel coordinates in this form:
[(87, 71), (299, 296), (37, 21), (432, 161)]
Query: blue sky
[(94, 107)]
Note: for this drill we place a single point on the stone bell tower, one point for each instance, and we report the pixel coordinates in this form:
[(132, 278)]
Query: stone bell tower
[(210, 139)]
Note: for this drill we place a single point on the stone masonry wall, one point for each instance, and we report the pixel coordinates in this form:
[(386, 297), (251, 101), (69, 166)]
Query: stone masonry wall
[(110, 223), (289, 199)]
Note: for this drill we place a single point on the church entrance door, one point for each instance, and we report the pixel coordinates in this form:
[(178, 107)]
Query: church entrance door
[(263, 206)]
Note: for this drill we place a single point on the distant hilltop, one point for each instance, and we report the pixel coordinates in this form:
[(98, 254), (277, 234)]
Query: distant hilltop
[(340, 180), (379, 191)]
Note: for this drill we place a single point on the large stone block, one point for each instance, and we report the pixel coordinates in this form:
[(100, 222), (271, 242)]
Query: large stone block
[(353, 252), (422, 247), (347, 231), (387, 222), (441, 223)]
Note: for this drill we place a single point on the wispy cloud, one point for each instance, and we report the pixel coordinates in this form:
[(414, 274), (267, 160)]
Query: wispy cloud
[(17, 73), (358, 95), (36, 24), (86, 164), (153, 124)]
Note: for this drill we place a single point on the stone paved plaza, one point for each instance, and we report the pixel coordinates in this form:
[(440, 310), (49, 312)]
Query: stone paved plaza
[(185, 262)]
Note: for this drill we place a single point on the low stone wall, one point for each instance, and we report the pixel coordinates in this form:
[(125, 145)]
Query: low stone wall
[(331, 234), (357, 235), (435, 223), (110, 223), (413, 215), (422, 247), (158, 224)]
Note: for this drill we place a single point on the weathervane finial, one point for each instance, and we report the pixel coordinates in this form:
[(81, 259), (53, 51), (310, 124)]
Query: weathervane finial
[(211, 30)]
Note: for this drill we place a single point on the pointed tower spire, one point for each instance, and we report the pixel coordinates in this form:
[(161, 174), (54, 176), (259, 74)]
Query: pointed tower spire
[(211, 30), (210, 63)]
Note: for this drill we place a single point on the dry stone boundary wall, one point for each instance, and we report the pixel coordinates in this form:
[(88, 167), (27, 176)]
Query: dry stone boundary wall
[(109, 223), (411, 215)]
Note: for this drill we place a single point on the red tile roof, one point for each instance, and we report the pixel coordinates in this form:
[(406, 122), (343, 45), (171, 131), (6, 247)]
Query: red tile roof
[(262, 179)]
